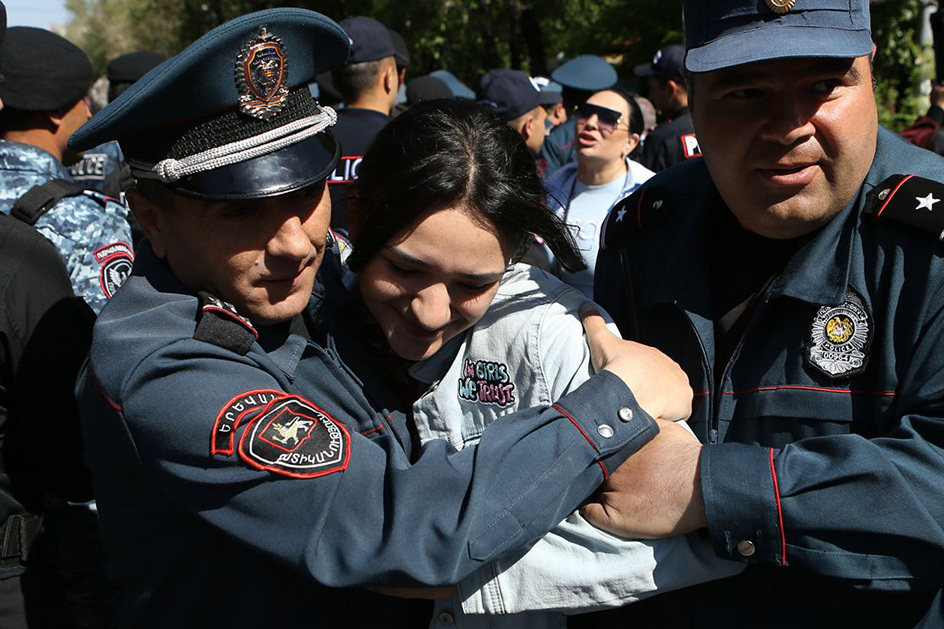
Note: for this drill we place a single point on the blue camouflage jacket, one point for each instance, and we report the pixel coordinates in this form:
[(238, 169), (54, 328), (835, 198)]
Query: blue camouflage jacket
[(230, 482), (825, 457), (90, 231), (98, 165)]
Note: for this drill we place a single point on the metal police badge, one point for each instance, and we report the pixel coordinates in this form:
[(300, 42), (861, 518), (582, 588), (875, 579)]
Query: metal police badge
[(261, 73), (780, 6), (840, 337), (293, 437)]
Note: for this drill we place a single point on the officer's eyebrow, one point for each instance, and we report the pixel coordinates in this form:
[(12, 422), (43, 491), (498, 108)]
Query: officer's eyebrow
[(479, 277), (741, 76)]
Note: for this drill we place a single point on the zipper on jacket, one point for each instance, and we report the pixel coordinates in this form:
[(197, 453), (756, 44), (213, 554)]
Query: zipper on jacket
[(760, 305)]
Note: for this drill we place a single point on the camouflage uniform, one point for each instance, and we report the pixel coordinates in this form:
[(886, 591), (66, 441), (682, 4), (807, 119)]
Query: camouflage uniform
[(98, 167), (90, 231)]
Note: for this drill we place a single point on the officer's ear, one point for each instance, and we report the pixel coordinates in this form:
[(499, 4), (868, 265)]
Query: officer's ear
[(149, 214), (527, 129), (391, 77)]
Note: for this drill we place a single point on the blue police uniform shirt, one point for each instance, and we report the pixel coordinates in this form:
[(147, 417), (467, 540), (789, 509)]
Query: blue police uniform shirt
[(670, 143), (98, 165), (228, 483), (355, 129), (90, 231), (824, 461)]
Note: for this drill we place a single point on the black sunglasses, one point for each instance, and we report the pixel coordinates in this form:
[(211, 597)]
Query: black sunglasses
[(607, 119)]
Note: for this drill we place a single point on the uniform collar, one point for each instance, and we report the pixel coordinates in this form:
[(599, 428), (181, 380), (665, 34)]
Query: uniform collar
[(818, 272), (431, 369)]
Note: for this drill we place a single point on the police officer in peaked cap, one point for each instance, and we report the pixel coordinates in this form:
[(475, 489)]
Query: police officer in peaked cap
[(796, 273), (580, 78), (243, 477)]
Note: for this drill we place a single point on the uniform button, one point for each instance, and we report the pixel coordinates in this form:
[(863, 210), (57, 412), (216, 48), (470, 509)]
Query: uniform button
[(446, 619), (605, 431), (746, 548), (626, 414)]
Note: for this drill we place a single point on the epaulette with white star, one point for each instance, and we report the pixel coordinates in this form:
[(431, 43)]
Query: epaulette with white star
[(911, 200), (643, 209)]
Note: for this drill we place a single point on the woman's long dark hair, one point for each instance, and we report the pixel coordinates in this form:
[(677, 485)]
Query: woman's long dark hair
[(452, 153)]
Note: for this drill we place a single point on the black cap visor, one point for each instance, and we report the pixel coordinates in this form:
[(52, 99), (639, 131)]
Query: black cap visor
[(290, 169)]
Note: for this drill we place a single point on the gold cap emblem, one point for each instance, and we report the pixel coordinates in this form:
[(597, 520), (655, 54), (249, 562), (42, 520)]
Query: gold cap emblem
[(261, 73), (780, 6)]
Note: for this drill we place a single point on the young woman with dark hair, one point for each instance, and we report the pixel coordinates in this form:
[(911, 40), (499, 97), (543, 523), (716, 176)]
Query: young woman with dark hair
[(446, 202)]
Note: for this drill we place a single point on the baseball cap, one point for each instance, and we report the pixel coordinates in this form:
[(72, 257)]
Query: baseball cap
[(667, 62), (370, 40), (588, 73), (509, 93), (551, 91), (42, 71), (401, 52), (724, 33), (231, 116)]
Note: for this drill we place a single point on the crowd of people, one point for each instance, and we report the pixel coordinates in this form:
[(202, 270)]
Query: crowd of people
[(289, 336)]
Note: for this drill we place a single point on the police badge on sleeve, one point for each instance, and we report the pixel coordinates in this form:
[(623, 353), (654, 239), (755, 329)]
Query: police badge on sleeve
[(840, 337), (293, 437), (115, 262)]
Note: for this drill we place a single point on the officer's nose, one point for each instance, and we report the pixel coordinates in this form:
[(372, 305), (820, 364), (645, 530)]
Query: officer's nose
[(789, 121), (432, 307), (290, 241)]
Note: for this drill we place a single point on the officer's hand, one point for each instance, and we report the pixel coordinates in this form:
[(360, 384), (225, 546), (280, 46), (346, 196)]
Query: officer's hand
[(659, 384), (656, 492), (428, 593)]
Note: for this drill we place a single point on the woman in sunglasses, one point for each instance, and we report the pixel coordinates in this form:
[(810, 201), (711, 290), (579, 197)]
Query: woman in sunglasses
[(607, 129)]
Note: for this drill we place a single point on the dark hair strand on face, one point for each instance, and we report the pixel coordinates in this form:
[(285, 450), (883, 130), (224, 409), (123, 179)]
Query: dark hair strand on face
[(453, 154)]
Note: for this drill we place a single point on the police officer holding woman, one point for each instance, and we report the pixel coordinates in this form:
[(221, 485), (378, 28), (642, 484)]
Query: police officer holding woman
[(238, 466), (796, 274)]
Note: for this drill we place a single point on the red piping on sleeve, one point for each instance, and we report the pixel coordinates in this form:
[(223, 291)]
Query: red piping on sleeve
[(574, 422), (783, 538), (606, 474)]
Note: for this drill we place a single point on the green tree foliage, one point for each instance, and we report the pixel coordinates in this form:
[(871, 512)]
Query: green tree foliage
[(468, 37), (902, 64)]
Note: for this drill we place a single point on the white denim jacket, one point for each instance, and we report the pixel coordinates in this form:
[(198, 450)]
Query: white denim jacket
[(528, 350)]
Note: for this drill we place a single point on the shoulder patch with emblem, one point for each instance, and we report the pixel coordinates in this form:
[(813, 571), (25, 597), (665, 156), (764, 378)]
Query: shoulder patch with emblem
[(645, 208), (232, 415), (293, 437), (221, 325), (840, 337), (911, 200), (116, 261)]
